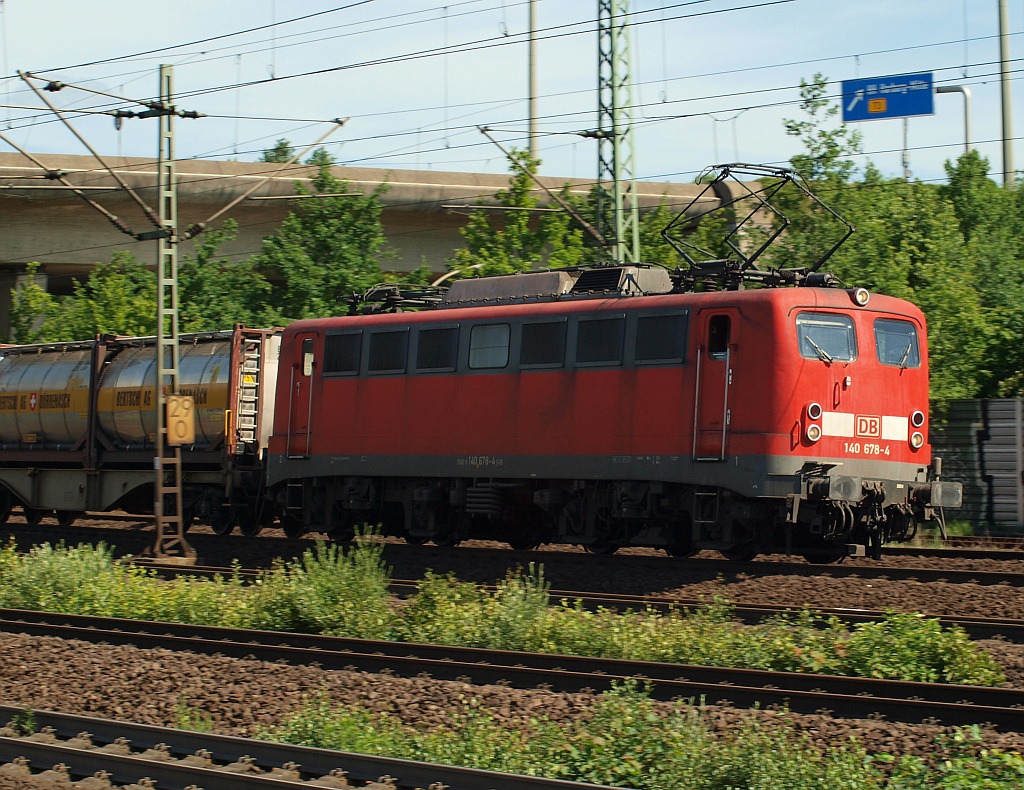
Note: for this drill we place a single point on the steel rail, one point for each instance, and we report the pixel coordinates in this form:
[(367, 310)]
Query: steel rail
[(1008, 554), (802, 693), (226, 749), (749, 614)]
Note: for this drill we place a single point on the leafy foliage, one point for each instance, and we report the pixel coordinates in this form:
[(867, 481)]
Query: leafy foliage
[(326, 248), (118, 297), (280, 153), (627, 740), (216, 294), (517, 240)]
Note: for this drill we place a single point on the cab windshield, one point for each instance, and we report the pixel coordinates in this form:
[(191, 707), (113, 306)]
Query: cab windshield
[(896, 343), (826, 336)]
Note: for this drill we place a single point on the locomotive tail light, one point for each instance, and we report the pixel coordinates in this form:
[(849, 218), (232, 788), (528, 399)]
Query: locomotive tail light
[(917, 440), (917, 418), (860, 296), (813, 432), (814, 411)]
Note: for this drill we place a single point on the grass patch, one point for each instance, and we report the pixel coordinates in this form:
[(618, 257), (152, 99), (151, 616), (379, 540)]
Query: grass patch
[(630, 741), (345, 593)]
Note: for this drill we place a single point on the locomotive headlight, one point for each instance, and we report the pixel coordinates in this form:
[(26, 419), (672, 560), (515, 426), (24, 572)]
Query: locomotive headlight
[(814, 411), (917, 440), (917, 419), (860, 296), (813, 432)]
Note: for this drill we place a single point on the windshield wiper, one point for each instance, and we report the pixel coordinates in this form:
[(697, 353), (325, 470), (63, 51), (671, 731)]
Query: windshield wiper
[(906, 356), (822, 354)]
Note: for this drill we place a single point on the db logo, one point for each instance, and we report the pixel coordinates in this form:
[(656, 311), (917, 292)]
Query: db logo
[(868, 427)]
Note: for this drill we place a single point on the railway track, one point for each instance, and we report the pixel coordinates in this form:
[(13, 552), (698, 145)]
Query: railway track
[(272, 547), (980, 548), (801, 693), (178, 759), (976, 627)]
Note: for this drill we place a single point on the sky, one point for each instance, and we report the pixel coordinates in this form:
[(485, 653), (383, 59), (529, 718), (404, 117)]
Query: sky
[(713, 80)]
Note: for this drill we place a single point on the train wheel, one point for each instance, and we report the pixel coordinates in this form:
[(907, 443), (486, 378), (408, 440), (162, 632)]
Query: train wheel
[(823, 557), (33, 515), (223, 523), (681, 536), (66, 518), (742, 553), (601, 547), (524, 543), (249, 525), (414, 540), (5, 505), (293, 527)]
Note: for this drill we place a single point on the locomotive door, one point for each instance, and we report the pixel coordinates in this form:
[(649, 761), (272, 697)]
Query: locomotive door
[(300, 399), (711, 413)]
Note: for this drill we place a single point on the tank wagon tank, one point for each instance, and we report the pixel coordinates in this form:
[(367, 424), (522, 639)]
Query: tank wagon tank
[(77, 423)]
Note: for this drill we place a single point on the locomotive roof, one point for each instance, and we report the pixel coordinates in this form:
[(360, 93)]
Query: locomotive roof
[(783, 299)]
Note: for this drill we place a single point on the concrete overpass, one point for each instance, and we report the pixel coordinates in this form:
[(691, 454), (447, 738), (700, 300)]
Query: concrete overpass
[(41, 220)]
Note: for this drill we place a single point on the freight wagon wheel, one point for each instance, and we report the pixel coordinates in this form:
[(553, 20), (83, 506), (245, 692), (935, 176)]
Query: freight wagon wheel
[(5, 506), (249, 525), (66, 518), (601, 547), (293, 527), (222, 522), (414, 540), (523, 543), (742, 553), (823, 557), (33, 515)]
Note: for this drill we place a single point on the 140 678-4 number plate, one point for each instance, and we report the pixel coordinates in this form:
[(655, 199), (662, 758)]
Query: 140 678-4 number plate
[(866, 448)]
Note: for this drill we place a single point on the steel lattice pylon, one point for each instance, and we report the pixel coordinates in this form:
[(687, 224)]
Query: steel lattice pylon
[(170, 542), (615, 163)]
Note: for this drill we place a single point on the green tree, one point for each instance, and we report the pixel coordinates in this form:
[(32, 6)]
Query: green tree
[(118, 297), (281, 152), (517, 240), (30, 304), (215, 294), (827, 149), (908, 244), (326, 248), (320, 158), (991, 220)]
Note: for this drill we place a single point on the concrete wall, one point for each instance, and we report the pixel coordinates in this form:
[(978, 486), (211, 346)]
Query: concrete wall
[(41, 220)]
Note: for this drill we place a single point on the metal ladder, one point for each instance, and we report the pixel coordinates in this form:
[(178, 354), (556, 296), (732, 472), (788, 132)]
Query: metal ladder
[(249, 394)]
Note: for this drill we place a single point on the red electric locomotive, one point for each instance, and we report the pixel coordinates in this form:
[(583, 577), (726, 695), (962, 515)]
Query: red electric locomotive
[(615, 406)]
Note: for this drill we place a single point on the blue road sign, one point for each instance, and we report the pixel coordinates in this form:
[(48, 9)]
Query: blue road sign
[(888, 97)]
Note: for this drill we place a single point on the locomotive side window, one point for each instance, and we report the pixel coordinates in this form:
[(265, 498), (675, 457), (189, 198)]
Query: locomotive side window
[(488, 346), (437, 348), (896, 343), (661, 338), (543, 344), (599, 341), (341, 353), (718, 336), (387, 352), (826, 336), (307, 357)]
